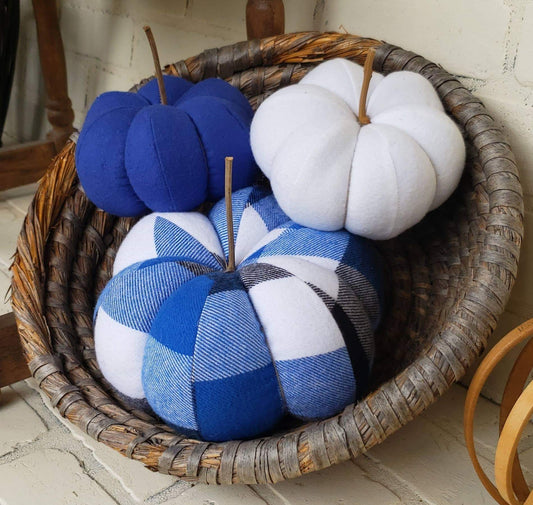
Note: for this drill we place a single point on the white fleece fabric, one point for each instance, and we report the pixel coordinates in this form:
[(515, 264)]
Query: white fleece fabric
[(343, 78), (392, 183), (289, 109), (328, 172), (139, 244), (290, 303), (122, 369), (315, 163)]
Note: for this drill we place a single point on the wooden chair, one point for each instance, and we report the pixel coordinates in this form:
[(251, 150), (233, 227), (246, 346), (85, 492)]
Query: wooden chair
[(26, 163)]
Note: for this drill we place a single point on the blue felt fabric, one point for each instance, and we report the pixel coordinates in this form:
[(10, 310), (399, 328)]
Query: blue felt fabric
[(224, 131), (111, 100), (134, 154), (168, 174), (219, 88), (100, 157), (189, 301), (175, 87)]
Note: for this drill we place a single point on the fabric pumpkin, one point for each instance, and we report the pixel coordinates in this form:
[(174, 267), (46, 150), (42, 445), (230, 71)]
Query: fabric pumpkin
[(135, 155), (145, 273), (328, 171), (226, 355)]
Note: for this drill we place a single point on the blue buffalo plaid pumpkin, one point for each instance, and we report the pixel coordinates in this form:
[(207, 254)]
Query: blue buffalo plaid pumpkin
[(224, 355)]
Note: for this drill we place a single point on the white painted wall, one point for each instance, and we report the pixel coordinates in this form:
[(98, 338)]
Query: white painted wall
[(487, 43)]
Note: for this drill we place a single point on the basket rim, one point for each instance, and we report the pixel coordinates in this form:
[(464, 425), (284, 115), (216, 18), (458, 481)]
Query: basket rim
[(360, 426)]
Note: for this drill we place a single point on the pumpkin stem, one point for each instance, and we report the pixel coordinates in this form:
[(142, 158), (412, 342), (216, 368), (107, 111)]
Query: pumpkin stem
[(229, 215), (155, 56), (367, 75)]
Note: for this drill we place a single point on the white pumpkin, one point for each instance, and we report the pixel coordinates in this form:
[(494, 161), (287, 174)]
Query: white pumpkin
[(329, 171)]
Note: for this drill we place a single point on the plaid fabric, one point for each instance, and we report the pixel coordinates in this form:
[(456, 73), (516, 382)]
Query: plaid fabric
[(228, 354), (160, 253)]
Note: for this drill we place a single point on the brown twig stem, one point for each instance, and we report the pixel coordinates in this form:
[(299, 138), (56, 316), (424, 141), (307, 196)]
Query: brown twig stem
[(155, 56), (367, 75), (229, 215)]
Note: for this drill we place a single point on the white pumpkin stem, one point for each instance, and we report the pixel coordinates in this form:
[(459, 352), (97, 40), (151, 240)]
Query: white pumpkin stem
[(155, 56), (229, 215), (367, 75)]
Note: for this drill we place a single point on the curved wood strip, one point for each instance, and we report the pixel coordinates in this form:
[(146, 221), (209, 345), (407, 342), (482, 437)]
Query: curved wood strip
[(517, 420), (511, 340)]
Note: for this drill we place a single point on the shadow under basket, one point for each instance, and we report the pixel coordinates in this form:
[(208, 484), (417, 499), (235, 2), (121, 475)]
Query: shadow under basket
[(450, 278)]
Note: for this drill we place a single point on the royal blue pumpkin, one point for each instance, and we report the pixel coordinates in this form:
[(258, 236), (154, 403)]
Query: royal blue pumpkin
[(135, 155)]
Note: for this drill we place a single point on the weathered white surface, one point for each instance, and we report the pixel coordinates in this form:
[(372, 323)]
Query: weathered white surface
[(13, 207), (344, 483), (207, 495), (108, 36), (434, 462), (136, 480), (175, 43), (524, 68), (424, 464), (10, 224), (34, 479), (5, 283), (19, 424)]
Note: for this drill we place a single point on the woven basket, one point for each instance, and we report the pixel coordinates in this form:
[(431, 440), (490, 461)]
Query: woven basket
[(451, 276)]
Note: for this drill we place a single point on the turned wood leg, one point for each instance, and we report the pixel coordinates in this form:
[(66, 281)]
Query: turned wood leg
[(52, 56), (25, 163), (13, 367), (264, 18)]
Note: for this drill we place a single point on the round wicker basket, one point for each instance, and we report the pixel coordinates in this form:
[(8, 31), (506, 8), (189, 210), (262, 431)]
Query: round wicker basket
[(450, 279)]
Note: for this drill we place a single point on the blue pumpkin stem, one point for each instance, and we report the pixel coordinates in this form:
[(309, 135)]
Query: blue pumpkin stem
[(229, 215), (157, 64)]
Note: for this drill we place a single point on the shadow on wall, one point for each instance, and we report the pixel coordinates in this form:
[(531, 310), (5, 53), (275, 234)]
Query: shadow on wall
[(27, 94)]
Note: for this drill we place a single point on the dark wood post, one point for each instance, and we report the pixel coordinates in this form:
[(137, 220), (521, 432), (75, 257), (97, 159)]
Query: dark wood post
[(13, 367), (52, 56), (24, 163), (264, 18)]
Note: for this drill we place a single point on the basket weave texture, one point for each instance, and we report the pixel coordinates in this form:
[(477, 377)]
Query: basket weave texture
[(450, 279)]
